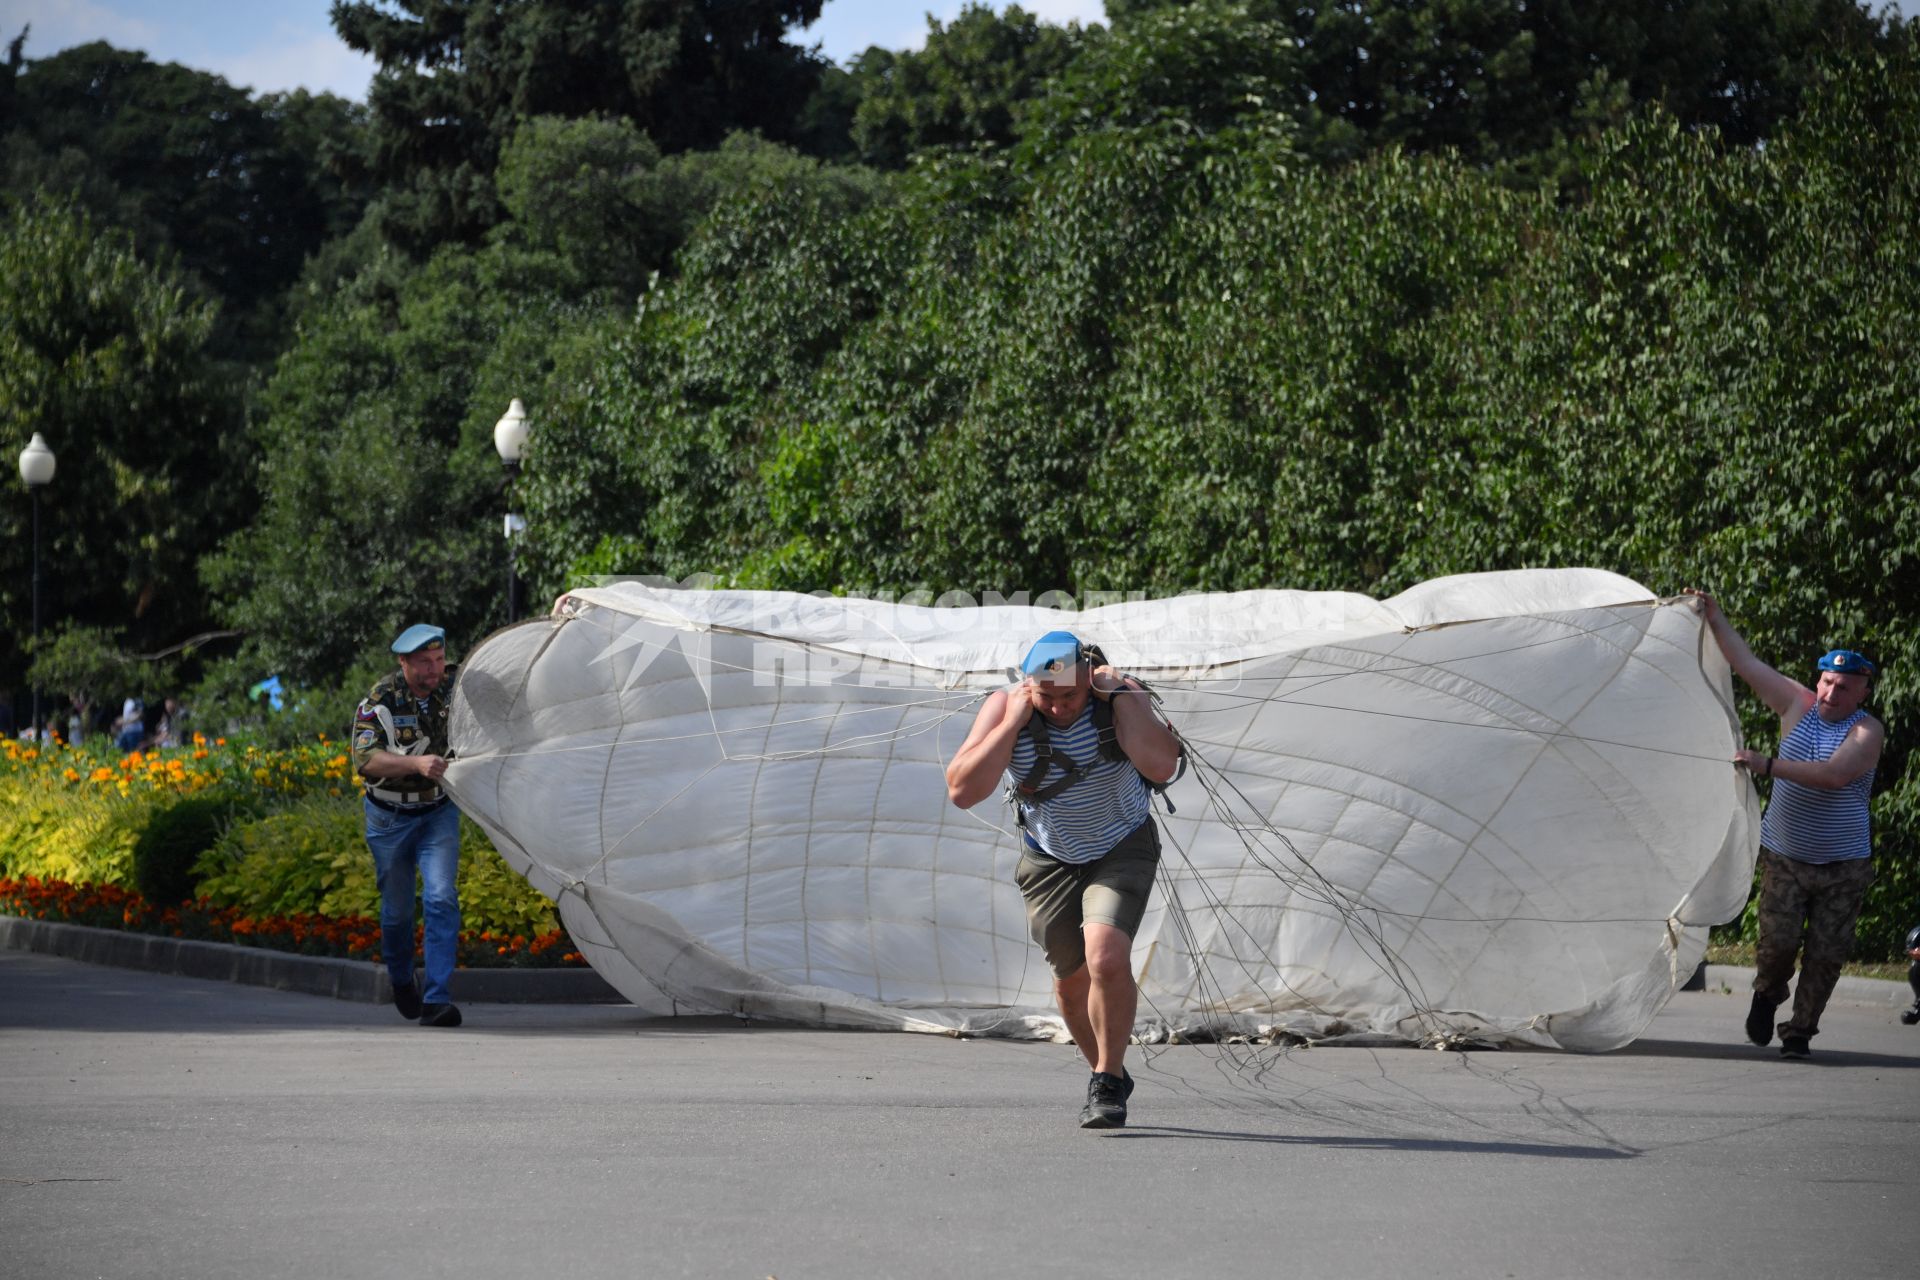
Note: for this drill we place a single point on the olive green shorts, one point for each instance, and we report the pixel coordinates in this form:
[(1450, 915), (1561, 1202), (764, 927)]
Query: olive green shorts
[(1111, 890)]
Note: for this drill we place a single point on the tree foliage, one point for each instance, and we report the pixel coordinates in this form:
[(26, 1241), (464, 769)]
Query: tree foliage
[(598, 196), (963, 88), (1511, 84), (456, 77), (238, 191), (108, 358)]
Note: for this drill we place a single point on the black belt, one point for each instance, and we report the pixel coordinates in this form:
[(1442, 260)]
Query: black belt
[(407, 808)]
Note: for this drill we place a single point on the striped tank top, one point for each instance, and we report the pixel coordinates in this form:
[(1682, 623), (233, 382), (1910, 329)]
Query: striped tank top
[(1094, 814), (1812, 824)]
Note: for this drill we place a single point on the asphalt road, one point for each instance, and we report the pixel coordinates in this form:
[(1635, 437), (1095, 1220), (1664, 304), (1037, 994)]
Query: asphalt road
[(163, 1126)]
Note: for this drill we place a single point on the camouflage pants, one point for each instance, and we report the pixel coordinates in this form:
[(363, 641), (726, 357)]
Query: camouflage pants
[(1814, 902)]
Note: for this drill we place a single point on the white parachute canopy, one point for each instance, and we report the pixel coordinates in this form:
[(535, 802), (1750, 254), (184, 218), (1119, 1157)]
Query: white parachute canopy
[(1499, 806)]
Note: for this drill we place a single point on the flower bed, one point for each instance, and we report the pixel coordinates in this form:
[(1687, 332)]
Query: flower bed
[(350, 937), (290, 872), (320, 767)]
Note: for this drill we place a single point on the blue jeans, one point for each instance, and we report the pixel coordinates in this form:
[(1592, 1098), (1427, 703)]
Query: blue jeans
[(428, 844)]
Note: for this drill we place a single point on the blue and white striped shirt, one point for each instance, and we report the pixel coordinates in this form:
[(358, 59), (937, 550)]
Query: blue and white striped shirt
[(1085, 821), (1812, 824)]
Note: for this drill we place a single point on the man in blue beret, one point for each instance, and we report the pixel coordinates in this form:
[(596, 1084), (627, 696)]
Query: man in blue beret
[(413, 829), (1080, 748), (1816, 845)]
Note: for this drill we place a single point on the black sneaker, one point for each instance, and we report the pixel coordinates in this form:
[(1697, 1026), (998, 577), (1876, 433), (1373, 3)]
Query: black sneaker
[(1106, 1101), (440, 1015), (1760, 1020), (406, 999), (1911, 1016), (1795, 1047)]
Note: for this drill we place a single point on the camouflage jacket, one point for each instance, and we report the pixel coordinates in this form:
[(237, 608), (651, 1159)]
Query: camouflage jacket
[(391, 719)]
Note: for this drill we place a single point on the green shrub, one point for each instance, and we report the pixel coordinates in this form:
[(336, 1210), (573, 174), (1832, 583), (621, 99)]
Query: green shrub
[(312, 857), (83, 835), (308, 857), (173, 839)]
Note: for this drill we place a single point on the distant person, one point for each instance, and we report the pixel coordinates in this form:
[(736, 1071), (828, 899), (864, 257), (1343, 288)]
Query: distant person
[(1816, 845), (1912, 1016), (130, 730), (167, 730), (1080, 747), (413, 829)]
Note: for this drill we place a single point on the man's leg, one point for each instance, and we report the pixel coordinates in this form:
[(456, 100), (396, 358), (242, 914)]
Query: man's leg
[(1070, 993), (1052, 891), (1832, 910), (390, 838), (1780, 921), (440, 897), (1113, 996)]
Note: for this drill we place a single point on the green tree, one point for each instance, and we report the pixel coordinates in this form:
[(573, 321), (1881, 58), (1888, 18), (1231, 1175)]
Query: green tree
[(962, 89), (1183, 70), (600, 198), (380, 499), (108, 358), (1512, 83), (240, 191), (457, 76)]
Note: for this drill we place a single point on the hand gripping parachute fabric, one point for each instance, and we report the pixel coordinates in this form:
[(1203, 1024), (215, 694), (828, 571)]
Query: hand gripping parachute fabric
[(1495, 807)]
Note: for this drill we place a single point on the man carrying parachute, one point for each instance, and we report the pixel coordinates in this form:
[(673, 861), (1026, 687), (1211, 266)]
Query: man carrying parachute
[(1816, 844), (1079, 745)]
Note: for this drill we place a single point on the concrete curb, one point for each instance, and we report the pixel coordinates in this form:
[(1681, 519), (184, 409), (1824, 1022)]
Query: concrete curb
[(1851, 989), (367, 981), (283, 971)]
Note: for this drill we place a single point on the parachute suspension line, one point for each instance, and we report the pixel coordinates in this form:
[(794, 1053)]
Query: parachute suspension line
[(1359, 921)]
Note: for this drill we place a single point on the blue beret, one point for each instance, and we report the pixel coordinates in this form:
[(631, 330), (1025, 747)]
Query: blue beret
[(1847, 662), (1054, 656), (417, 637)]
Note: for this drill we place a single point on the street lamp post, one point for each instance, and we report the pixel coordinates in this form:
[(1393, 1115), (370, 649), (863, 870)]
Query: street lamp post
[(36, 468), (510, 441)]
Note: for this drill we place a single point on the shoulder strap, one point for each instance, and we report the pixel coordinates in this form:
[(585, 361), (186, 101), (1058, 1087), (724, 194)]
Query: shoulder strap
[(1109, 736), (385, 717), (1045, 758)]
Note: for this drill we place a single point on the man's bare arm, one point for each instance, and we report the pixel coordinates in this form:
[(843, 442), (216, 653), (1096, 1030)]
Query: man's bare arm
[(984, 756), (1788, 698), (1859, 753), (1147, 739)]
